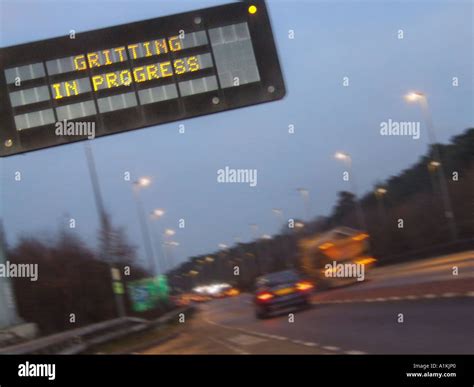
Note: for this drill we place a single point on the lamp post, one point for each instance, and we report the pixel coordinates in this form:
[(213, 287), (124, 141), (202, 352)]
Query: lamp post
[(105, 225), (280, 220), (141, 183), (166, 235), (155, 215), (347, 159), (422, 99), (380, 193), (254, 229), (305, 196)]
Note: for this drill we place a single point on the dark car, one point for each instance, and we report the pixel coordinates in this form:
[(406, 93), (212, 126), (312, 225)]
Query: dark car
[(281, 290)]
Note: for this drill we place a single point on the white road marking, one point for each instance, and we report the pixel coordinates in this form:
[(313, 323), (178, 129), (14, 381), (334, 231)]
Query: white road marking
[(331, 348), (429, 296), (264, 335), (212, 322), (448, 295), (279, 337), (411, 297), (310, 344), (298, 342), (231, 347), (246, 340), (355, 352), (470, 294)]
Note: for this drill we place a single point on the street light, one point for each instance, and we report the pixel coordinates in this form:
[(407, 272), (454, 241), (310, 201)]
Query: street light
[(277, 211), (170, 254), (299, 225), (342, 156), (169, 232), (305, 195), (422, 99), (279, 216), (433, 165), (346, 158), (168, 258), (380, 192), (155, 215), (144, 182), (414, 96), (158, 213)]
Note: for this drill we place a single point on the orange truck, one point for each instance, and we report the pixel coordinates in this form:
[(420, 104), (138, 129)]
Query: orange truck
[(337, 257)]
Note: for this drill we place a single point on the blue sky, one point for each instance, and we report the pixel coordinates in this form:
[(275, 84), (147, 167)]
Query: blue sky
[(332, 40)]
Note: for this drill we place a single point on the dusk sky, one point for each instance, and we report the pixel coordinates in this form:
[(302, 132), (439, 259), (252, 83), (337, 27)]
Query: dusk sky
[(357, 39)]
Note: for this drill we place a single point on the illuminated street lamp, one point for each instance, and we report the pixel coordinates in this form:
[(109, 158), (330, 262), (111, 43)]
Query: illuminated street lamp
[(158, 213), (342, 156), (380, 192), (435, 164), (169, 232), (143, 182), (414, 96), (299, 225)]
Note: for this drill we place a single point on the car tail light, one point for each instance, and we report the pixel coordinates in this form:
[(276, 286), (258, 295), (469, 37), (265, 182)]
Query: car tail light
[(304, 286), (264, 296)]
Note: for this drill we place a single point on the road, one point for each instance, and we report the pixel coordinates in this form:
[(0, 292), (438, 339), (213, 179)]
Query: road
[(438, 317)]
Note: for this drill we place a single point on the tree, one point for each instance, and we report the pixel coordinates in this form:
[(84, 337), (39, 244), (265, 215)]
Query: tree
[(345, 204)]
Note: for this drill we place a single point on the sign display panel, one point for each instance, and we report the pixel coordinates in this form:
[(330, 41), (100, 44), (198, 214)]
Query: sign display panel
[(146, 294), (137, 75)]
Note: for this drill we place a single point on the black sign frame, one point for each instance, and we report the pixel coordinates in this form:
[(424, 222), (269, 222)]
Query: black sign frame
[(271, 86)]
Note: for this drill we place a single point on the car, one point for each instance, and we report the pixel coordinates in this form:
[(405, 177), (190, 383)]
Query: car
[(281, 290)]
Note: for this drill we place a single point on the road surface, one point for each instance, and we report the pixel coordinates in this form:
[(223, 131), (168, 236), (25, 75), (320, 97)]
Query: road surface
[(417, 308)]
